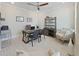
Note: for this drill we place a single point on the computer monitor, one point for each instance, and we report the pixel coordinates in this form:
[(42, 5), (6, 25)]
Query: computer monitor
[(32, 27), (4, 27)]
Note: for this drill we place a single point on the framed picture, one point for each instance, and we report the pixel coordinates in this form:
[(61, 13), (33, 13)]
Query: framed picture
[(29, 19), (19, 19)]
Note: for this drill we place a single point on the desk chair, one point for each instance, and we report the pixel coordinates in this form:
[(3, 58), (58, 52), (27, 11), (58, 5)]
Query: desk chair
[(39, 34), (33, 36)]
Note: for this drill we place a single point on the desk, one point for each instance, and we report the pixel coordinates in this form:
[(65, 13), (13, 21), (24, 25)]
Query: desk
[(26, 33)]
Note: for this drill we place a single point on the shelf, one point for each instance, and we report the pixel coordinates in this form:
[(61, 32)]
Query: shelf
[(49, 22), (49, 25)]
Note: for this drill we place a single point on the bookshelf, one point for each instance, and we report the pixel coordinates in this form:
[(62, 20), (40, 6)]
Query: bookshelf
[(50, 24)]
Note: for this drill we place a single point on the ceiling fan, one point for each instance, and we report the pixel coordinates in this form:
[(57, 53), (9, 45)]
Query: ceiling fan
[(38, 5)]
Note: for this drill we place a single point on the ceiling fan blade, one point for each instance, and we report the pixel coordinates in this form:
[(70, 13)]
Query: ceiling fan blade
[(43, 4), (31, 4)]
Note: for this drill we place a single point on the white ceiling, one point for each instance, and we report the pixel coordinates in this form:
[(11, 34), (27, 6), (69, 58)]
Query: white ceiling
[(47, 8)]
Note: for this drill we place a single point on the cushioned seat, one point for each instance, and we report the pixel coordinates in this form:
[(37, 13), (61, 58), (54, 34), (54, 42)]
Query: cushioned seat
[(64, 34)]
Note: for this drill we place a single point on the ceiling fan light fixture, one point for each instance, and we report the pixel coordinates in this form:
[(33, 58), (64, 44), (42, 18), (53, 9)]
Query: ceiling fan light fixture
[(38, 5)]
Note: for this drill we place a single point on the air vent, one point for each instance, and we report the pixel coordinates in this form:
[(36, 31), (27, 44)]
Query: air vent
[(1, 18)]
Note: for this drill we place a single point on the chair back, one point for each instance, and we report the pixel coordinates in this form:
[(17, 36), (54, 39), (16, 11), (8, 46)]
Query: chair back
[(45, 31), (39, 32), (35, 34), (28, 27)]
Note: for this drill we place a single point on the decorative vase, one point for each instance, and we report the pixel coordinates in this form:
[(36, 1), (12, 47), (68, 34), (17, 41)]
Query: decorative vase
[(70, 43), (70, 46)]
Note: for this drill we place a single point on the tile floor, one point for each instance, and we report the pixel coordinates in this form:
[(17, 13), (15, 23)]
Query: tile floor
[(39, 49)]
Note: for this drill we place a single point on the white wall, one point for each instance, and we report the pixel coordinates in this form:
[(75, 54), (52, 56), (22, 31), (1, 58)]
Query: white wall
[(77, 25), (41, 19), (9, 12), (65, 15)]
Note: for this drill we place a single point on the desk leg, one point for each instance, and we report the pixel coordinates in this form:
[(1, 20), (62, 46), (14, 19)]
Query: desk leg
[(32, 42), (23, 37), (44, 36), (38, 39)]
